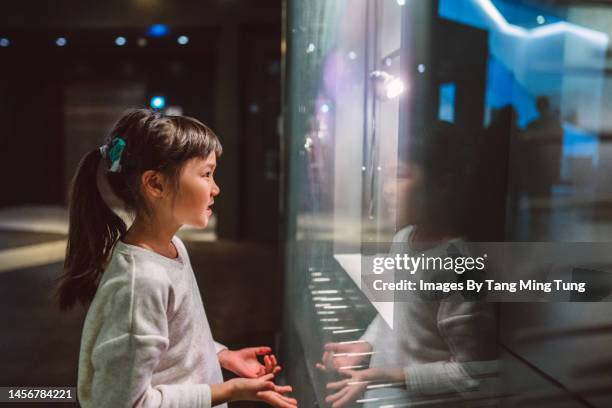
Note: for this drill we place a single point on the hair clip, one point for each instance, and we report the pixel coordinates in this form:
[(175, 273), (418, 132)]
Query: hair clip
[(113, 155)]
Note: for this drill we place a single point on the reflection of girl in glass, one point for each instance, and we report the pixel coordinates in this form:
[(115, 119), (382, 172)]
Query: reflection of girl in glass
[(436, 347)]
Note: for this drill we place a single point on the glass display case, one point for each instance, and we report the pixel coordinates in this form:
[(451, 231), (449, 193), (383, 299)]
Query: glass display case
[(431, 123)]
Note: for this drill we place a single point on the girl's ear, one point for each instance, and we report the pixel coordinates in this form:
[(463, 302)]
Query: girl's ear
[(153, 184)]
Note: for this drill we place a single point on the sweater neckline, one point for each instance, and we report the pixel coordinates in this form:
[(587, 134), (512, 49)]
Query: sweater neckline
[(179, 261)]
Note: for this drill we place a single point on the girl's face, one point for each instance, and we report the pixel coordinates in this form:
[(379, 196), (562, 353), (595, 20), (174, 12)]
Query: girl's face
[(197, 190)]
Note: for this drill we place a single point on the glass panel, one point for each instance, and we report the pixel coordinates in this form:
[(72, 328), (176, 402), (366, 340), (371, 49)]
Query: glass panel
[(546, 86), (434, 124)]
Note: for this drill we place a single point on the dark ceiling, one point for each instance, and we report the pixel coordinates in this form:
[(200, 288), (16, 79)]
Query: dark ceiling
[(87, 14)]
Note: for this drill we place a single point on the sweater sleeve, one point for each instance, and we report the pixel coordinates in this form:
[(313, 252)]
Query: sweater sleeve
[(219, 347), (469, 331), (122, 377), (373, 331), (131, 343)]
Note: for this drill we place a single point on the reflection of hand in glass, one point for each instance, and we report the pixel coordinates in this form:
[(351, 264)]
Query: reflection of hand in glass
[(339, 356), (351, 388)]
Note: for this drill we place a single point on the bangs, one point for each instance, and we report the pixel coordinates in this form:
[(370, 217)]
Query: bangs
[(195, 139)]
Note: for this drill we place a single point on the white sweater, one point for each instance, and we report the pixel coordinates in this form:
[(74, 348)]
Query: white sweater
[(442, 346), (146, 340)]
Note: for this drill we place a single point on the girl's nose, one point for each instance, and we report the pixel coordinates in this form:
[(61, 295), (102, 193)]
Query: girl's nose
[(216, 190)]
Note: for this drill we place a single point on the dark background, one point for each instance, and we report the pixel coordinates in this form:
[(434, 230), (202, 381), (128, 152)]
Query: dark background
[(57, 103)]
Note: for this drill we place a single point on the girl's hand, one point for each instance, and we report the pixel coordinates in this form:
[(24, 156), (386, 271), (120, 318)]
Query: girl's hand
[(276, 399), (244, 362), (260, 389), (238, 389)]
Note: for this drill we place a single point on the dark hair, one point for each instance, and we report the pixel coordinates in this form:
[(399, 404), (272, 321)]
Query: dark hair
[(442, 151), (153, 141)]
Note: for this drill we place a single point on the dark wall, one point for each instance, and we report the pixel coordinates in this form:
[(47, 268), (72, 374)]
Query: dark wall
[(31, 140), (259, 144), (242, 40), (59, 103)]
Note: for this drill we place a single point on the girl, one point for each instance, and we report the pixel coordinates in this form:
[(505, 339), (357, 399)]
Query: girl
[(146, 340)]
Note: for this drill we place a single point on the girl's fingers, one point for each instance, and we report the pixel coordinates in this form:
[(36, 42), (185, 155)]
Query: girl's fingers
[(283, 389), (276, 400), (267, 363), (267, 377), (257, 386), (289, 400), (271, 364), (260, 351)]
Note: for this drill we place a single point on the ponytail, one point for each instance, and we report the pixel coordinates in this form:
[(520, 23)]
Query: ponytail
[(94, 229)]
